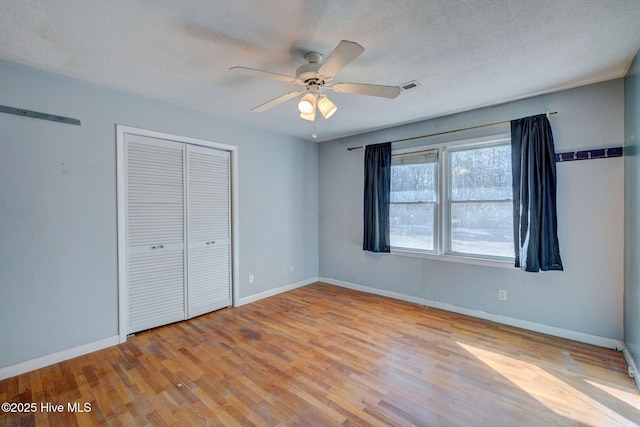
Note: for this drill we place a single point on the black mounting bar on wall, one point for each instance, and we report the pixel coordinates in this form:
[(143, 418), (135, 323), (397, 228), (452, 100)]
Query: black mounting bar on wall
[(596, 153), (37, 115)]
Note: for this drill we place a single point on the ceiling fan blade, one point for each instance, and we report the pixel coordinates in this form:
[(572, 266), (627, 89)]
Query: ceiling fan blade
[(263, 74), (366, 89), (276, 101), (341, 56)]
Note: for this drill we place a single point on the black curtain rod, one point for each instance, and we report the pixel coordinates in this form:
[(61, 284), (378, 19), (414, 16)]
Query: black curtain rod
[(446, 132)]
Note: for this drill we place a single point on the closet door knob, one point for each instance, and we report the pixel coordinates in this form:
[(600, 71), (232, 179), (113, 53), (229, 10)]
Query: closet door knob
[(212, 242), (157, 247)]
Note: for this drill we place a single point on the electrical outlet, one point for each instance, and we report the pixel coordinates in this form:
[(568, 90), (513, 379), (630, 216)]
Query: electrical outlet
[(502, 295), (291, 269), (251, 278)]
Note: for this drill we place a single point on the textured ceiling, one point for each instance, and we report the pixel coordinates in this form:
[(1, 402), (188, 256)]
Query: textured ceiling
[(465, 54)]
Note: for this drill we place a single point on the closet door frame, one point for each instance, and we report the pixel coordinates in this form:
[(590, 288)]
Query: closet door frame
[(121, 131)]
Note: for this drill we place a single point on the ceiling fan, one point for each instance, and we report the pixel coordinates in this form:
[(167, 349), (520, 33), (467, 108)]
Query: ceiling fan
[(316, 76)]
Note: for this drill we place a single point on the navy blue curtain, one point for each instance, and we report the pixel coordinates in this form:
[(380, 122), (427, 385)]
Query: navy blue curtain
[(377, 194), (535, 226)]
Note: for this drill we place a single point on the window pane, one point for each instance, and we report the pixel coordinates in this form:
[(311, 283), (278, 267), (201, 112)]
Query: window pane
[(414, 183), (412, 226), (482, 228), (481, 173), (414, 186)]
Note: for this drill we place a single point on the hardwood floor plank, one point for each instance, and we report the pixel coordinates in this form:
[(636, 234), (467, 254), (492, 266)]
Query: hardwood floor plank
[(323, 355)]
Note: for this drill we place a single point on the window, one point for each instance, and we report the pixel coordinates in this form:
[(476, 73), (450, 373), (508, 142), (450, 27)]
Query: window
[(479, 202), (414, 197), (453, 200)]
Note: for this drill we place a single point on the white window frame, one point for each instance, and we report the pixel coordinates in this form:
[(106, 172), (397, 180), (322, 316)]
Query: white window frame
[(443, 229)]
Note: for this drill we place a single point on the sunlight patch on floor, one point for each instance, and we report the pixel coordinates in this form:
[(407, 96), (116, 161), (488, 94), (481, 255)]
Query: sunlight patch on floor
[(628, 398), (558, 396)]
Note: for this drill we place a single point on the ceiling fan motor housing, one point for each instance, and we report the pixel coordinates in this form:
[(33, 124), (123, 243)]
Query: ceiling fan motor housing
[(308, 73)]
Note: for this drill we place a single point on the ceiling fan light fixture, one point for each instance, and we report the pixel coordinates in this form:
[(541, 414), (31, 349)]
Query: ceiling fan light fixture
[(326, 107), (311, 116), (307, 104)]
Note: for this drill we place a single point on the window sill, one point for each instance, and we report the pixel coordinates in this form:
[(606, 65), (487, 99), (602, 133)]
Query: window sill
[(456, 258)]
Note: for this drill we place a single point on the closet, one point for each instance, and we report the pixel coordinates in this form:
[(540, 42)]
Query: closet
[(176, 226)]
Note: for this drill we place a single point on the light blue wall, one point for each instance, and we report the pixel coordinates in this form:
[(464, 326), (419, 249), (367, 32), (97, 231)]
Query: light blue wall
[(58, 265), (632, 211), (587, 297)]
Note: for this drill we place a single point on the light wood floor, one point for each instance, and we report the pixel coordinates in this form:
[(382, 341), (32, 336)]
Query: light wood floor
[(323, 355)]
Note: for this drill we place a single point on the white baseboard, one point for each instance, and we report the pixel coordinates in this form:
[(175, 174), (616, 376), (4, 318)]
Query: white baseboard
[(276, 291), (633, 370), (505, 320), (50, 359)]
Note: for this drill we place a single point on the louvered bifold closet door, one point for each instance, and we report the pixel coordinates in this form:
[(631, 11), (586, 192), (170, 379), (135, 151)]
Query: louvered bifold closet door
[(209, 229), (155, 231)]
